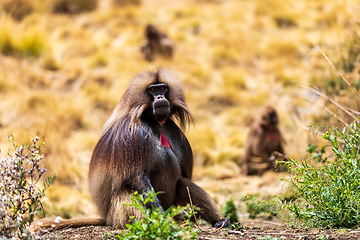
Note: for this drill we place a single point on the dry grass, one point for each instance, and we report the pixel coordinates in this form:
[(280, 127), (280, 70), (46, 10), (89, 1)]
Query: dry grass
[(61, 76)]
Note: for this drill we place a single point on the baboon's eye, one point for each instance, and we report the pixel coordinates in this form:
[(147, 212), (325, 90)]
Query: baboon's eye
[(157, 89)]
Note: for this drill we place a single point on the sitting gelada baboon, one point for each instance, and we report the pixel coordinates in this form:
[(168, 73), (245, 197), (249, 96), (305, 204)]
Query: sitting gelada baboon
[(157, 43), (264, 143)]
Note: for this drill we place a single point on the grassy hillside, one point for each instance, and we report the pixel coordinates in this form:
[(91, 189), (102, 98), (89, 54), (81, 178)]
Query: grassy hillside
[(62, 74)]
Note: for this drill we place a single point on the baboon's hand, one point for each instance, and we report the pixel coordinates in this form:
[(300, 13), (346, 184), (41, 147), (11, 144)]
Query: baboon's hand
[(222, 223)]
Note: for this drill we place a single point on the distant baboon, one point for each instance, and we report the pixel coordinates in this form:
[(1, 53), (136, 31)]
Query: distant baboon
[(142, 149), (157, 42), (264, 139)]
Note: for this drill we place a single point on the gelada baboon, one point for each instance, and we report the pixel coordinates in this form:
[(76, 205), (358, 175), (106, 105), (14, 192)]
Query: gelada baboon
[(264, 139), (157, 42), (141, 149)]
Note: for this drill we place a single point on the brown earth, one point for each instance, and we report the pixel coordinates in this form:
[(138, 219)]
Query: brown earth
[(250, 230)]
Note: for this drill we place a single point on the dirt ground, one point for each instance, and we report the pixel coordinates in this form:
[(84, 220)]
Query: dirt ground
[(250, 230)]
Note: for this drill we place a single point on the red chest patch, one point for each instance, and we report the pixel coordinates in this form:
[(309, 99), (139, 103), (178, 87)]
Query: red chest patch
[(272, 136), (164, 141)]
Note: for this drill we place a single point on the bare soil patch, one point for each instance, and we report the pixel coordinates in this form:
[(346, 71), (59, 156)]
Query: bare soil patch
[(250, 230), (235, 187)]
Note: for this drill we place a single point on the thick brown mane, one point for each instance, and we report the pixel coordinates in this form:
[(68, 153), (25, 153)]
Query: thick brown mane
[(127, 107), (154, 155), (131, 155)]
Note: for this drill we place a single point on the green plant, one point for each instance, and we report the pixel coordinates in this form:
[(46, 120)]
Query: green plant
[(230, 211), (326, 237), (260, 208), (20, 199), (157, 224), (237, 226), (328, 186), (107, 235), (318, 155), (273, 238)]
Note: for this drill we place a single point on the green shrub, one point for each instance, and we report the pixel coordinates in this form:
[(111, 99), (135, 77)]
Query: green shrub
[(273, 238), (20, 199), (260, 208), (156, 224), (327, 186), (230, 211)]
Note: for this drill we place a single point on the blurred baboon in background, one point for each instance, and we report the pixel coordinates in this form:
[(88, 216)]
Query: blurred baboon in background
[(157, 42), (264, 139)]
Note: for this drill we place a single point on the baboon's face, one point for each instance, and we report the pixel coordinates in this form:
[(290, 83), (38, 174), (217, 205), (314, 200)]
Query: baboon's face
[(160, 104), (269, 117)]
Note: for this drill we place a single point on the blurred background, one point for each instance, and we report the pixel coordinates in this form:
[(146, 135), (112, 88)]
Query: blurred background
[(64, 65)]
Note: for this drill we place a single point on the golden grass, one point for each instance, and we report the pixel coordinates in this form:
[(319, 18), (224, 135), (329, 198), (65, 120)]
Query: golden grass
[(61, 76), (26, 41)]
